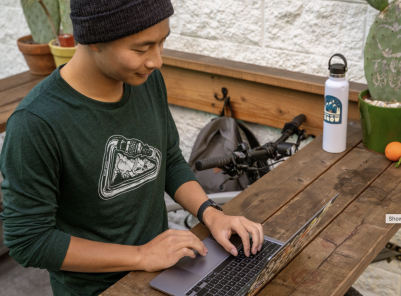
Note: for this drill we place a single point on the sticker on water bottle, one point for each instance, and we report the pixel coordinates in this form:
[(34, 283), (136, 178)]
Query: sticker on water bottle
[(332, 110)]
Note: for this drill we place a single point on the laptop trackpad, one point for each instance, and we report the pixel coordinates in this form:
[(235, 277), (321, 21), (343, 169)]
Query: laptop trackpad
[(203, 265)]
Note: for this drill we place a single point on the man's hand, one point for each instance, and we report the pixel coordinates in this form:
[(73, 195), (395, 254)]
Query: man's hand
[(167, 248), (223, 226), (191, 196)]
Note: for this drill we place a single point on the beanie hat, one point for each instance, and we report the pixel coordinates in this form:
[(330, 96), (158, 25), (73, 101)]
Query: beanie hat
[(97, 21)]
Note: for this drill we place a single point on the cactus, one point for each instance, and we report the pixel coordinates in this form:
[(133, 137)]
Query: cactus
[(378, 4), (65, 11), (383, 53), (38, 21)]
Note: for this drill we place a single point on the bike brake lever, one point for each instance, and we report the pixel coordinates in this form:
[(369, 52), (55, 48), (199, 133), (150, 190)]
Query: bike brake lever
[(225, 181)]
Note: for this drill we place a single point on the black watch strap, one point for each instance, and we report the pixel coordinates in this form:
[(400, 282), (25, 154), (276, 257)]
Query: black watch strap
[(204, 206)]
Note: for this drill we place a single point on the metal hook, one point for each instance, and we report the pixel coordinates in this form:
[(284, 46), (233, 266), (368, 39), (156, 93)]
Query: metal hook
[(225, 92)]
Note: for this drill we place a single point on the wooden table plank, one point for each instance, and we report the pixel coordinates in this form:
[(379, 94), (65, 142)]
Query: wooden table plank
[(349, 177), (10, 99), (336, 258), (19, 79), (259, 201)]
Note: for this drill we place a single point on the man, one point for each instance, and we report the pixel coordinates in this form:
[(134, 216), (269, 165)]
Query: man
[(90, 151)]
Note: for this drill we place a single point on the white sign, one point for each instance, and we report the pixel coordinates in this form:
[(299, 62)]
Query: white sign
[(393, 218)]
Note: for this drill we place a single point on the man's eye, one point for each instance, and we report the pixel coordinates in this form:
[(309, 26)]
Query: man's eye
[(140, 51)]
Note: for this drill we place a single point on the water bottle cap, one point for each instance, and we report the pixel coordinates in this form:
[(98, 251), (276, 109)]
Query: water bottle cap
[(338, 70)]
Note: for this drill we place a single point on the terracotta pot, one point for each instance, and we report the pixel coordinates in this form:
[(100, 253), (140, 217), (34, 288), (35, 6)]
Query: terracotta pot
[(66, 40), (38, 56)]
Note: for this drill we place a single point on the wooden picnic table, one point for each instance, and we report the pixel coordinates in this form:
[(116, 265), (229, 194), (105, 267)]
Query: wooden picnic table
[(347, 239)]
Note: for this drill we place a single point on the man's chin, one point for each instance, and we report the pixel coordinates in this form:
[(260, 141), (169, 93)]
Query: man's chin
[(135, 81)]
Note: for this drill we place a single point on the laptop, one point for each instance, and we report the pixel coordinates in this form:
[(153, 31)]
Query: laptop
[(220, 273)]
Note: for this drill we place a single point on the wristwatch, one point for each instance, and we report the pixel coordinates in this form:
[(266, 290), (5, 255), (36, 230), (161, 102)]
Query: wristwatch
[(202, 208)]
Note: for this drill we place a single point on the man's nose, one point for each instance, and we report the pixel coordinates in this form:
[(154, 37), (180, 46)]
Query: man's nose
[(155, 60)]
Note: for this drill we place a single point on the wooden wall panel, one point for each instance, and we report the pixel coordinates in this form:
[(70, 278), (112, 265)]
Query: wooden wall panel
[(259, 94), (261, 74), (251, 101)]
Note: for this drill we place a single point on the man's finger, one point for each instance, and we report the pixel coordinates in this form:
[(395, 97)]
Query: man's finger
[(180, 232), (262, 238), (256, 230), (197, 239), (184, 252), (243, 233), (224, 241), (256, 241), (190, 243)]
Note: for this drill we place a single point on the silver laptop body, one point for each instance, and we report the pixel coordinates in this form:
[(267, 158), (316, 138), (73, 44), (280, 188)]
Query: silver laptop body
[(179, 279)]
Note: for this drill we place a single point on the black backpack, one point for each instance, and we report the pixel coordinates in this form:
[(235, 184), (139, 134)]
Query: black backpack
[(220, 137)]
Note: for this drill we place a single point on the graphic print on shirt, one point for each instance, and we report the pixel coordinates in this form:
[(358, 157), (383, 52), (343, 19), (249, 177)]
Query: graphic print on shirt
[(127, 165)]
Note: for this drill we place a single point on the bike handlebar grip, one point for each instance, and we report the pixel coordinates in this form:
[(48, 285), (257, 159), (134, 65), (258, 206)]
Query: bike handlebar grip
[(260, 154), (214, 162), (298, 120)]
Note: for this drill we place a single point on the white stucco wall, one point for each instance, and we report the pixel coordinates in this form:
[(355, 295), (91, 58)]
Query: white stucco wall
[(12, 26), (295, 35)]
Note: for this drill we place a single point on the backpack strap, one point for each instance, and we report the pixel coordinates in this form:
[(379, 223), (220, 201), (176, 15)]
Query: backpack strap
[(228, 104), (253, 142)]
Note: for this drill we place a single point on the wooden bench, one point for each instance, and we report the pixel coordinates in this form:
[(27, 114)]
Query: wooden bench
[(347, 239), (258, 94)]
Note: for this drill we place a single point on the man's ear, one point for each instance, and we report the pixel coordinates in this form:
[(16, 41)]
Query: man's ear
[(95, 47)]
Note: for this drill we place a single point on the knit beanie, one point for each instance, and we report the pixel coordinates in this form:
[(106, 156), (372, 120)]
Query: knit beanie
[(97, 21)]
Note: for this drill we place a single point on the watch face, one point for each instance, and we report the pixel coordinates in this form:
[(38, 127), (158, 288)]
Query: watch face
[(215, 205)]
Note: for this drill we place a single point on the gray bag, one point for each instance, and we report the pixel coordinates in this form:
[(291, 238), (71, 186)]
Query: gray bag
[(220, 137)]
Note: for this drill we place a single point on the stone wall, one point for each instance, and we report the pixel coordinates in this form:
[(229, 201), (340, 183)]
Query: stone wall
[(12, 26), (295, 35)]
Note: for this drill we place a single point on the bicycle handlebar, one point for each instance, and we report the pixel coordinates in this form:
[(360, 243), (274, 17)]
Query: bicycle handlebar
[(291, 127), (261, 153), (215, 162), (298, 120), (257, 153)]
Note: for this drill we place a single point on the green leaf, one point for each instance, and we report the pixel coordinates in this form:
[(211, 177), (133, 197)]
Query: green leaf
[(378, 4), (398, 163)]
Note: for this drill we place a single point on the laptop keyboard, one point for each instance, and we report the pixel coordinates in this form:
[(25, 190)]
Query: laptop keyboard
[(234, 272)]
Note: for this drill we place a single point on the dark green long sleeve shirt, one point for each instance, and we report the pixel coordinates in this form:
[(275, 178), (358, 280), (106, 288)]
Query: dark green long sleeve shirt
[(95, 170)]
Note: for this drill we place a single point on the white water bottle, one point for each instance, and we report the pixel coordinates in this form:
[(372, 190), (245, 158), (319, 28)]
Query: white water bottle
[(336, 108)]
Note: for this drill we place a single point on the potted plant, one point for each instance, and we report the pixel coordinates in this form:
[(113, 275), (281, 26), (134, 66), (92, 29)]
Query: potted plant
[(41, 50), (63, 46), (35, 47), (380, 105)]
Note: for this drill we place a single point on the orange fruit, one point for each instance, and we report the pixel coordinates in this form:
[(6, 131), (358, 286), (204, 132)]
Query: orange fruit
[(393, 151)]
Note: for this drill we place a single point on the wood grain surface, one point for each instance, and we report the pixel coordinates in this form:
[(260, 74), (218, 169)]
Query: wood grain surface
[(254, 102), (19, 79), (10, 99), (342, 251), (349, 177), (244, 71)]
